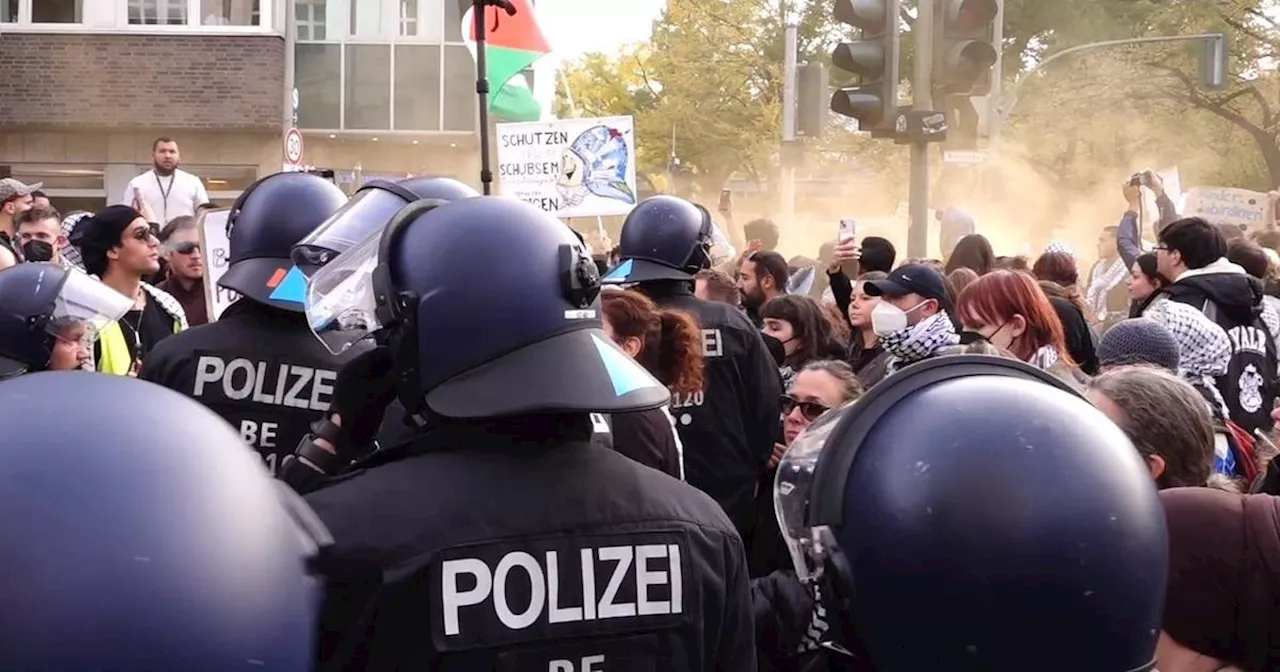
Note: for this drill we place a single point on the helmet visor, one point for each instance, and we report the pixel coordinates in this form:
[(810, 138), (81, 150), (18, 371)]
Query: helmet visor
[(721, 248), (366, 214), (84, 307), (340, 305), (793, 485)]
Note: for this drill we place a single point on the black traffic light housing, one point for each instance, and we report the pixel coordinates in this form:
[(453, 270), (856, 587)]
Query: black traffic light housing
[(964, 49), (874, 58)]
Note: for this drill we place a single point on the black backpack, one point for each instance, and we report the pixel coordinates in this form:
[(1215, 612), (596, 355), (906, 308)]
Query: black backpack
[(1250, 385)]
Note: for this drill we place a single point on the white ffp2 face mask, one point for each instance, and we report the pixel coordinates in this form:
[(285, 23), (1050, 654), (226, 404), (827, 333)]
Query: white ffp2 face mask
[(887, 318)]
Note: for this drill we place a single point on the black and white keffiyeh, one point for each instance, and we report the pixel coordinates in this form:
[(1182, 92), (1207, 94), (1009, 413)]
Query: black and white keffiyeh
[(920, 341), (1044, 358), (1204, 349), (1103, 279)]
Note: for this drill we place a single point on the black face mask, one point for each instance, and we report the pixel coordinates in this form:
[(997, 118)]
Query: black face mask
[(37, 250), (776, 348)]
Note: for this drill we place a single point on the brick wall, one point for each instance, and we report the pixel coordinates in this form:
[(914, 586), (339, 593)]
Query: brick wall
[(150, 82)]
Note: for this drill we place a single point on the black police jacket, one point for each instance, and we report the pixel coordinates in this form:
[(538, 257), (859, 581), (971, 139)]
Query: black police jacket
[(258, 367), (465, 550), (728, 430)]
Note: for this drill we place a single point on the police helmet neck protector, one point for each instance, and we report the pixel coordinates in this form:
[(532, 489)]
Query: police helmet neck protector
[(890, 515)]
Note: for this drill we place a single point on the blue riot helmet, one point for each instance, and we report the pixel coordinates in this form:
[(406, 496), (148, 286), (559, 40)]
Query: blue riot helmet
[(42, 305), (131, 546), (973, 513), (526, 340), (367, 212), (664, 238), (264, 224)]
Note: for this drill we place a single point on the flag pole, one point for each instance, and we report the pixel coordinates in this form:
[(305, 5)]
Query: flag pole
[(482, 84)]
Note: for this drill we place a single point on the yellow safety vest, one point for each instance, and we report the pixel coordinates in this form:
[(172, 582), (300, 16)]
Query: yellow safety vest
[(115, 358)]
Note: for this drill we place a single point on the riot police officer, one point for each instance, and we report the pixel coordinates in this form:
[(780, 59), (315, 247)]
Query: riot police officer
[(973, 513), (729, 429), (50, 316), (135, 546), (365, 214), (258, 365), (501, 537)]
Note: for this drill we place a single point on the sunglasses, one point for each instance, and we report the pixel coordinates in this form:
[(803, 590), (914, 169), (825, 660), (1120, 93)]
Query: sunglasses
[(186, 248), (143, 234), (809, 409)]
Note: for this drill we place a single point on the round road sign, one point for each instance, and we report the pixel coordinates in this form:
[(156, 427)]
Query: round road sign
[(293, 146)]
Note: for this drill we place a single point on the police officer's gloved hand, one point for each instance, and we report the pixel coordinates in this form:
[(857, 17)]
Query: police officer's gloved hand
[(363, 389)]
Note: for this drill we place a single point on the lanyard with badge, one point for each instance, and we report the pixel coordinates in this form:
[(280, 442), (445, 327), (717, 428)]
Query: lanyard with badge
[(164, 194)]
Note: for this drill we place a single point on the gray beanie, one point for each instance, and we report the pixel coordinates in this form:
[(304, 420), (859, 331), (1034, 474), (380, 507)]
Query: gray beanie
[(1139, 341)]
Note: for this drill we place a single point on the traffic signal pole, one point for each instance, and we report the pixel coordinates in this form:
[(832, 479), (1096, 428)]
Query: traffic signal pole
[(922, 99)]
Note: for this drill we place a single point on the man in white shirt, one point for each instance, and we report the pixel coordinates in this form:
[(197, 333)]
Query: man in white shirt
[(165, 189)]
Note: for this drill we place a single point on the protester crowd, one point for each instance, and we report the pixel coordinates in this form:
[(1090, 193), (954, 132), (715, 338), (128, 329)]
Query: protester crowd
[(1172, 334)]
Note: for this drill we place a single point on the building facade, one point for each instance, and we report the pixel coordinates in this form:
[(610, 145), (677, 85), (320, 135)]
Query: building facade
[(383, 88)]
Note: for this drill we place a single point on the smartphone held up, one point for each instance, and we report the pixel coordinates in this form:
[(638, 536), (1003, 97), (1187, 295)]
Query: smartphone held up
[(848, 232)]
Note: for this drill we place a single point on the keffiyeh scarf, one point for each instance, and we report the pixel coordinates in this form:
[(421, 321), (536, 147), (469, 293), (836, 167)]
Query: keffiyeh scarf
[(921, 341), (1101, 281)]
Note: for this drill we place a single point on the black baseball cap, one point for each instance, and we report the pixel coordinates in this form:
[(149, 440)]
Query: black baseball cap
[(920, 279)]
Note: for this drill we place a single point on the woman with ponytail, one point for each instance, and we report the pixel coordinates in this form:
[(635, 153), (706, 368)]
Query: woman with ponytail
[(668, 344)]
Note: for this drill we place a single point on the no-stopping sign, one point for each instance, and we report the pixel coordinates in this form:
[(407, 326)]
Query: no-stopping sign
[(293, 147)]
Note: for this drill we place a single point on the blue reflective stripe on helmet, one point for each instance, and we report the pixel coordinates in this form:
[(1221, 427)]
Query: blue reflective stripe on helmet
[(292, 288)]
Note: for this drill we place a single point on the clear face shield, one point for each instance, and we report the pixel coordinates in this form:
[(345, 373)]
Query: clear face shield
[(364, 215), (340, 304), (83, 308), (792, 487)]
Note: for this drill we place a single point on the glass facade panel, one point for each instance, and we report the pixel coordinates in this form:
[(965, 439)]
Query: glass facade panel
[(318, 72), (417, 89), (461, 105), (368, 86)]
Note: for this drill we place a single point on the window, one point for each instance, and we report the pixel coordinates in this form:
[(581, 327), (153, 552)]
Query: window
[(57, 11), (368, 86), (420, 19), (417, 87), (8, 11), (452, 22), (461, 105), (408, 18), (158, 12), (310, 18), (318, 78), (366, 18), (230, 12)]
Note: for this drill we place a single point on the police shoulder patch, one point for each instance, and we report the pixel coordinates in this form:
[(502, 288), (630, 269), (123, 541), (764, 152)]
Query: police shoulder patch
[(522, 591)]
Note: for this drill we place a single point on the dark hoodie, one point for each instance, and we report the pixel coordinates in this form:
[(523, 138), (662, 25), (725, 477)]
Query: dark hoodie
[(1233, 299), (1237, 297)]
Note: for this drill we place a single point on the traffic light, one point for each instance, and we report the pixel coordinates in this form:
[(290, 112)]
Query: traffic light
[(964, 48), (874, 58)]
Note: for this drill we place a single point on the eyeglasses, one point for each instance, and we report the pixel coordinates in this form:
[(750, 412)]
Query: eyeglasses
[(187, 247), (809, 409)]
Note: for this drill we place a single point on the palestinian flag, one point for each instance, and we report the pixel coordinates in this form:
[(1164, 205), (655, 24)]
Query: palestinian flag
[(513, 44)]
